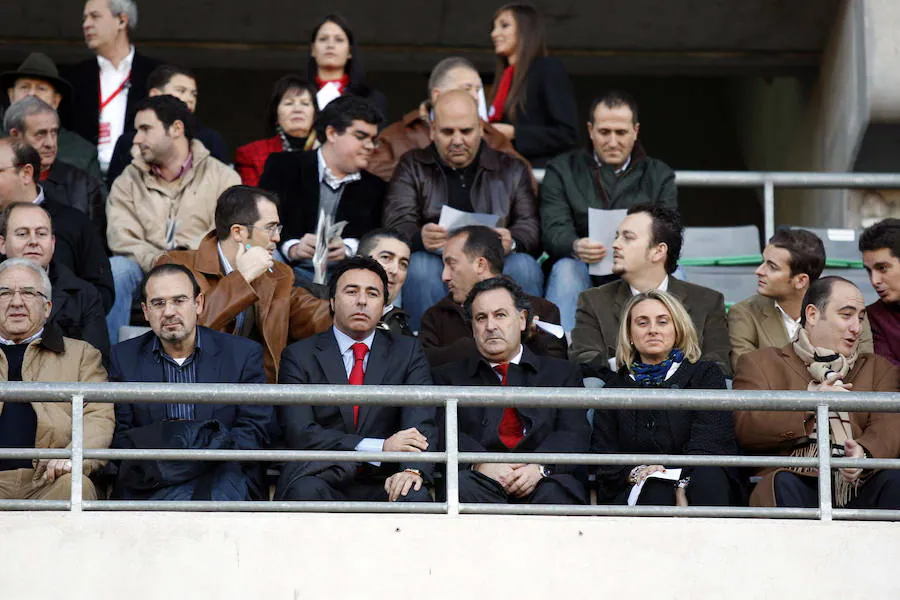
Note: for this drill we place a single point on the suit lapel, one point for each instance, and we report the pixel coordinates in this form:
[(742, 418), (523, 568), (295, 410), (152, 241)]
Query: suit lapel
[(376, 369), (332, 365), (772, 324), (788, 354), (209, 369), (151, 370)]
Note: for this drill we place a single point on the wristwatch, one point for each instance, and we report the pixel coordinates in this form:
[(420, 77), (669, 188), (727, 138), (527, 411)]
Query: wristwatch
[(545, 471)]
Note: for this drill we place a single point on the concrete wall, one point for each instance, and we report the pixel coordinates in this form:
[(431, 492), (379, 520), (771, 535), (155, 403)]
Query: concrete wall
[(304, 556)]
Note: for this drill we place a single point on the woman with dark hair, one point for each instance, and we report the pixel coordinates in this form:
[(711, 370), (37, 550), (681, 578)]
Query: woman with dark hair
[(334, 61), (290, 117), (658, 348), (532, 102)]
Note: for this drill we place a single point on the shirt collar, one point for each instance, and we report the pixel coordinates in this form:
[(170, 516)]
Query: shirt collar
[(328, 178), (663, 287), (513, 361), (39, 199), (28, 340), (124, 66), (159, 351), (618, 171), (185, 167), (226, 266), (345, 341)]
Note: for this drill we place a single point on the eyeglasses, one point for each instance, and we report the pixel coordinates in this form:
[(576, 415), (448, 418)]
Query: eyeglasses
[(272, 230), (365, 137), (160, 304), (28, 294)]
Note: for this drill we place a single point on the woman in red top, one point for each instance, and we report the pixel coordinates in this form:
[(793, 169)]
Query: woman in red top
[(335, 60), (533, 103), (290, 116)]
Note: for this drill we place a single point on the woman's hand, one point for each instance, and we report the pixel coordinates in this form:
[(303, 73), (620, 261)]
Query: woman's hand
[(639, 474)]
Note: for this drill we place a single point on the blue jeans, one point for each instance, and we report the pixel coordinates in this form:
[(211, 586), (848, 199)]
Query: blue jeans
[(127, 277), (424, 288), (568, 278)]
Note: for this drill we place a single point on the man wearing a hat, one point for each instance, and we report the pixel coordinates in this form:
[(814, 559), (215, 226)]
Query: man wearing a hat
[(38, 76)]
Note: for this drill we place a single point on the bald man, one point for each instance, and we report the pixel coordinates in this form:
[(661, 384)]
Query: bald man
[(459, 170)]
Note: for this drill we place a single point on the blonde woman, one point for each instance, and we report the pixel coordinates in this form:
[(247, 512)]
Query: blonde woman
[(658, 348)]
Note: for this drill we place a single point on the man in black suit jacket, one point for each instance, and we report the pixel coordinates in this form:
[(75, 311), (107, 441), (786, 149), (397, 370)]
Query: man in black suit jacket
[(177, 350), (498, 308), (645, 254), (117, 70), (78, 245), (332, 179), (355, 351), (473, 254)]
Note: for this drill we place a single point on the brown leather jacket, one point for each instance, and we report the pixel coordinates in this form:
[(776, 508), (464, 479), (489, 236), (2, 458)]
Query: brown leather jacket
[(502, 187), (284, 313), (412, 132)]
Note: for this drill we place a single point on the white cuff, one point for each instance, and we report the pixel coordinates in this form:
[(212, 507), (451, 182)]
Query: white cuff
[(352, 245), (370, 445), (286, 247)]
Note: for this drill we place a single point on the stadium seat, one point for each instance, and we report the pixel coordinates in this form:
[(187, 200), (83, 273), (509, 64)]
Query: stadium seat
[(736, 283), (711, 246), (126, 332)]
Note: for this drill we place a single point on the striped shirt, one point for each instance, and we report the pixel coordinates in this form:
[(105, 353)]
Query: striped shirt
[(186, 372)]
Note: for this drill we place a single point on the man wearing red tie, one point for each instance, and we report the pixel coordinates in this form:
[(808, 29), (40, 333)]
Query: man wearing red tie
[(354, 351), (499, 313)]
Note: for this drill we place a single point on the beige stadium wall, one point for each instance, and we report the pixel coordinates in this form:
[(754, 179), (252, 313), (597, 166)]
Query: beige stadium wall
[(138, 556)]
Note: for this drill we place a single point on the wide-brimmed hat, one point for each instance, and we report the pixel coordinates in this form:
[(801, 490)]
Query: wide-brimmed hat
[(38, 66)]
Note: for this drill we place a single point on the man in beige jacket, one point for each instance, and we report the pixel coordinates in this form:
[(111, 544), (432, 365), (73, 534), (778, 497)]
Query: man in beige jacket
[(33, 350), (164, 200), (792, 261)]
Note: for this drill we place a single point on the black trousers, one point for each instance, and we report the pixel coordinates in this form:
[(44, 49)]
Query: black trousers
[(311, 488), (556, 489), (710, 486), (881, 491)]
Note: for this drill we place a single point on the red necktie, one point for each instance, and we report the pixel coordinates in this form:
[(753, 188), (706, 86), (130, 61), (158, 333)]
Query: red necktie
[(510, 429), (356, 373)]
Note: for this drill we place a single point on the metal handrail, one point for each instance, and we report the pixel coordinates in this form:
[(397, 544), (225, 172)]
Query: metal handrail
[(769, 180), (451, 398)]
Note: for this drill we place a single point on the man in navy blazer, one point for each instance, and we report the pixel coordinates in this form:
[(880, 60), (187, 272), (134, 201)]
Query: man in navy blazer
[(177, 350), (357, 352), (499, 311)]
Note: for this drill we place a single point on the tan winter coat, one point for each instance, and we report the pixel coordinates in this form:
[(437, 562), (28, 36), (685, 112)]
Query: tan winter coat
[(141, 209), (54, 358)]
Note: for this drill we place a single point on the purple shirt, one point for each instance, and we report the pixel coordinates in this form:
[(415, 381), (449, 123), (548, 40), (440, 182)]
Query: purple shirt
[(885, 321)]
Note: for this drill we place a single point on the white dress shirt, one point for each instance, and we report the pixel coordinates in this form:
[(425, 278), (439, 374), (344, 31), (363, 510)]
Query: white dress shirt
[(112, 116), (791, 325), (513, 361), (663, 287)]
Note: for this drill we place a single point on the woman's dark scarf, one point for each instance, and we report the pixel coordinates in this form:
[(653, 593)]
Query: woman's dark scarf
[(654, 375)]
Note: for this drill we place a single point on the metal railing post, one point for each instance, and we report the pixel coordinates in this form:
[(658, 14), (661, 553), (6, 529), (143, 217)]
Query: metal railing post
[(769, 208), (823, 435), (452, 440), (77, 450)]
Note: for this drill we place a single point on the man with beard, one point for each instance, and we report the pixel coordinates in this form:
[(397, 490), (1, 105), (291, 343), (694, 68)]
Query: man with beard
[(164, 200), (177, 351)]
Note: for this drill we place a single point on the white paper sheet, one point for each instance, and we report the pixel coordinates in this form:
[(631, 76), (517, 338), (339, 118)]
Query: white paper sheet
[(325, 232), (667, 475), (454, 219), (553, 329), (329, 92), (602, 226)]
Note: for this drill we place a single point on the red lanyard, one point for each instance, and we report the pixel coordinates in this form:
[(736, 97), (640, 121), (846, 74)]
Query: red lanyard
[(122, 86)]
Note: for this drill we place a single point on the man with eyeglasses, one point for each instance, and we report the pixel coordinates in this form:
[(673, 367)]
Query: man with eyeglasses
[(26, 231), (79, 246), (177, 351), (33, 349), (331, 182), (248, 293)]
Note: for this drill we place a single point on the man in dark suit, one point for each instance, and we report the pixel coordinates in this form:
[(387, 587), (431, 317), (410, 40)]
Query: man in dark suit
[(499, 313), (26, 231), (823, 357), (177, 351), (78, 245), (355, 351), (331, 181), (473, 254), (118, 72), (645, 254)]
